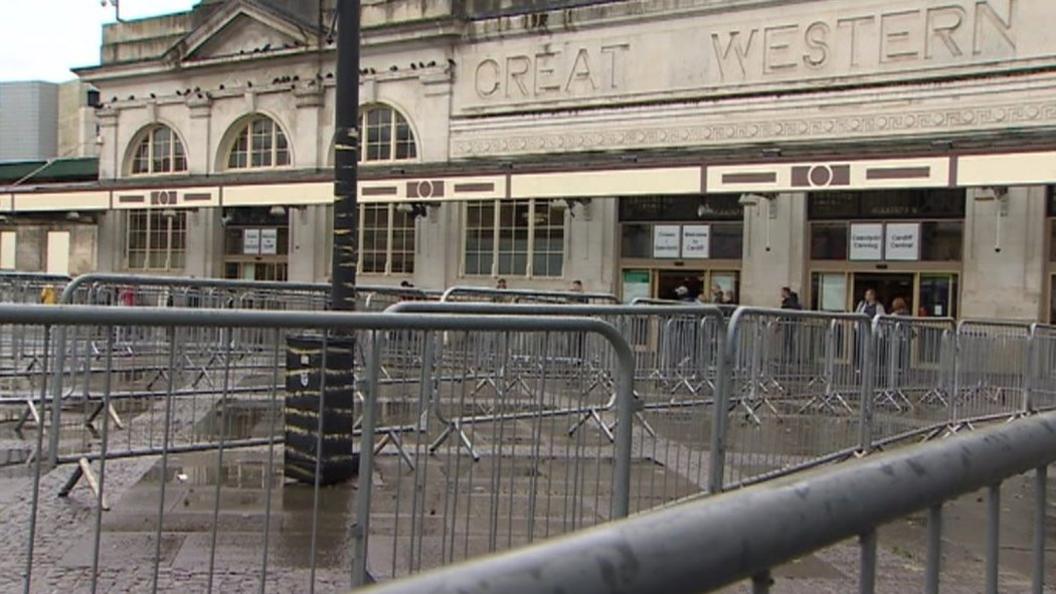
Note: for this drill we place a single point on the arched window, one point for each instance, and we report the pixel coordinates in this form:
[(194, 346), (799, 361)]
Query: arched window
[(386, 135), (158, 150), (260, 142)]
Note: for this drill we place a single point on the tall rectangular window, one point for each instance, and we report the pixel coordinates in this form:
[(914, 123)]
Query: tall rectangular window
[(386, 239), (157, 239), (480, 237), (515, 238)]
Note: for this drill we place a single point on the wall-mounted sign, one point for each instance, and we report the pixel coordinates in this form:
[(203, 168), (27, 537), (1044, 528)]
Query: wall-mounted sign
[(666, 242), (636, 285), (902, 242), (867, 242), (696, 242), (269, 242), (251, 242)]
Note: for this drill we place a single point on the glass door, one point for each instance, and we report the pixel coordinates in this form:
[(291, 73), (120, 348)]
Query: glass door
[(938, 295), (888, 287)]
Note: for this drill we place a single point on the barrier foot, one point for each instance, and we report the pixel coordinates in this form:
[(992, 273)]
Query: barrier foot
[(83, 470), (454, 427), (641, 420), (30, 411), (110, 412), (394, 438)]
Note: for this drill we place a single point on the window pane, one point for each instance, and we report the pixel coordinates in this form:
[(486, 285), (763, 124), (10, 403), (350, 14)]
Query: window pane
[(282, 150), (480, 228), (828, 241), (179, 159), (888, 204), (141, 162), (375, 225), (718, 207), (941, 241), (637, 241), (549, 239), (727, 241)]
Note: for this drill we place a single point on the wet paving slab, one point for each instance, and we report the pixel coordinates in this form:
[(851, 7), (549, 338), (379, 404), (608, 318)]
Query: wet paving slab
[(457, 510)]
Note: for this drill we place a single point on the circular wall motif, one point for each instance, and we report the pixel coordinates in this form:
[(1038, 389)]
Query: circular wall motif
[(820, 175)]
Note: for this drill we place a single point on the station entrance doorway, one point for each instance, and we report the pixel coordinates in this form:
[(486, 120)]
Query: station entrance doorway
[(927, 294)]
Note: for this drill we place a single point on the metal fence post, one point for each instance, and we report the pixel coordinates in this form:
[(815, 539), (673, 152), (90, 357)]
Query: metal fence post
[(625, 410), (868, 330), (727, 351), (1033, 369), (361, 532), (56, 396)]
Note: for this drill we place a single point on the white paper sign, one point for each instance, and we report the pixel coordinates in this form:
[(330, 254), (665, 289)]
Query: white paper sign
[(251, 241), (696, 242), (902, 242), (636, 284), (867, 242), (269, 242), (666, 241)]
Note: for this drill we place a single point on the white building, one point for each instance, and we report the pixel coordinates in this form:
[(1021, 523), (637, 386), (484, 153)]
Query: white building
[(28, 122), (826, 145)]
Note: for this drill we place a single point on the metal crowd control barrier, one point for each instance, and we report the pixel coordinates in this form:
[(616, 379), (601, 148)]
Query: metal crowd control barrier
[(791, 393), (993, 369), (705, 545), (676, 361), (419, 504), (26, 287), (139, 355), (466, 293), (863, 384)]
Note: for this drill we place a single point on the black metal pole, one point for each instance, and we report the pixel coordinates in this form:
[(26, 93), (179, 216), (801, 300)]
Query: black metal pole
[(346, 158), (320, 397)]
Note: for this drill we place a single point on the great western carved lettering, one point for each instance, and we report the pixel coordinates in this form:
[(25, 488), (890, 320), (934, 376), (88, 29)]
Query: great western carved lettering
[(765, 47), (846, 43), (547, 73)]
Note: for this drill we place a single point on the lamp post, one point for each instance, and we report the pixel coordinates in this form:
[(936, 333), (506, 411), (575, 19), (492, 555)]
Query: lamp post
[(319, 411)]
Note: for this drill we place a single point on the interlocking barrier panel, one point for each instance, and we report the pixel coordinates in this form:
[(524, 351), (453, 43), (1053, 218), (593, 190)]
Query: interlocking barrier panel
[(481, 427), (462, 431)]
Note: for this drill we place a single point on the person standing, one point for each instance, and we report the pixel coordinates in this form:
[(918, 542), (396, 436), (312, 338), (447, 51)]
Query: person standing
[(48, 295), (870, 306), (790, 299), (899, 307)]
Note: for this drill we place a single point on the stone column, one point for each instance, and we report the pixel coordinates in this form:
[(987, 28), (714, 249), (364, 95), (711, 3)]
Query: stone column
[(309, 100), (774, 248), (309, 227), (1004, 254), (109, 151), (199, 135), (204, 256), (436, 247)]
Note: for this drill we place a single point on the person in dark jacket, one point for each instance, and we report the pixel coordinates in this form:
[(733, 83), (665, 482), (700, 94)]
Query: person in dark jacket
[(790, 299)]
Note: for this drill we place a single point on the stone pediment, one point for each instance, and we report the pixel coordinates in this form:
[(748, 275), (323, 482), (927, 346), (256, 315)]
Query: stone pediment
[(243, 27)]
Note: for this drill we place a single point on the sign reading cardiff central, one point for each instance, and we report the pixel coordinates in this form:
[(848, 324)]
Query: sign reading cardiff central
[(783, 45)]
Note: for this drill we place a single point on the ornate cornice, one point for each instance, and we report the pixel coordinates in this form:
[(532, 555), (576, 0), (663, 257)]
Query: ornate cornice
[(683, 132)]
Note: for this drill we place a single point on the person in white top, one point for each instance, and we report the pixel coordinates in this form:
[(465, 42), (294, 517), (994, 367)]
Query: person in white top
[(870, 306)]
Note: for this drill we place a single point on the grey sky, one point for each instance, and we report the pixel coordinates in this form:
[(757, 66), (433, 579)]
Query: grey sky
[(43, 39)]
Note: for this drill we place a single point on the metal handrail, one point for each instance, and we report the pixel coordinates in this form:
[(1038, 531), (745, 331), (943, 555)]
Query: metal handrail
[(489, 292), (744, 534)]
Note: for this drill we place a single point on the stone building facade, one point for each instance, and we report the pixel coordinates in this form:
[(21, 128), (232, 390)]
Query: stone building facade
[(721, 146)]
